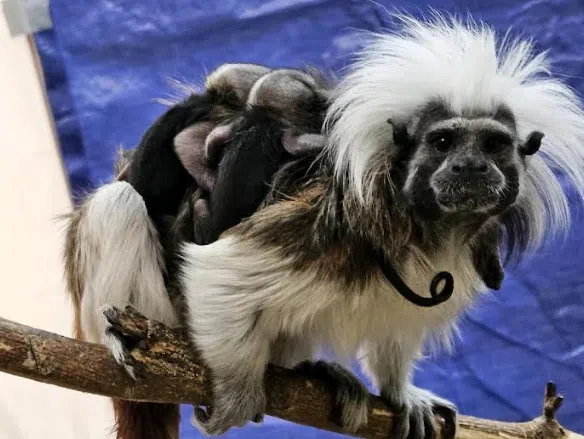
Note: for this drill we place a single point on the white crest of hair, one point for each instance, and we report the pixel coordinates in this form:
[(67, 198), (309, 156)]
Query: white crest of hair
[(119, 259), (469, 68)]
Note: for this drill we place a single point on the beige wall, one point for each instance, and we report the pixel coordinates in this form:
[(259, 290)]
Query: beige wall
[(32, 192)]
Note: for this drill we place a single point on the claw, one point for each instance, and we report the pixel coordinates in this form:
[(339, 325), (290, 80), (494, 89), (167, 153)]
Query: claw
[(415, 419), (429, 428), (258, 419), (200, 415), (203, 420), (401, 423), (229, 410), (111, 313), (449, 415), (119, 344), (416, 425)]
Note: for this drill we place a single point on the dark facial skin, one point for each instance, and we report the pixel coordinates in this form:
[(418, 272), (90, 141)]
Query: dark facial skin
[(465, 166), (459, 171)]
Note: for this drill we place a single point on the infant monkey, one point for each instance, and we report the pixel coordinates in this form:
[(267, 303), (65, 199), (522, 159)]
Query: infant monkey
[(280, 123), (160, 175)]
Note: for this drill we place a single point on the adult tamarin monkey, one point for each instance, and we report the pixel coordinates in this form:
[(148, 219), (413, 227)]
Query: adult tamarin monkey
[(430, 165), (202, 167)]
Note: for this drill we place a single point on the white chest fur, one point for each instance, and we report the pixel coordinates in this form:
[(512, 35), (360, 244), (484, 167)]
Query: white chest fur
[(239, 282), (379, 311)]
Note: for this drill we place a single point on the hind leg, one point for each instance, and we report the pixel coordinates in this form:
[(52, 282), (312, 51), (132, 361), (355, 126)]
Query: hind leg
[(238, 361)]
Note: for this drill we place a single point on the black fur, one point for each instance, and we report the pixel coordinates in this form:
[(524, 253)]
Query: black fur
[(156, 172), (532, 143), (486, 257), (250, 160)]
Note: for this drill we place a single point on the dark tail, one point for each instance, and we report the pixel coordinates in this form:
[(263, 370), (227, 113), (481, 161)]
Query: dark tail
[(142, 420)]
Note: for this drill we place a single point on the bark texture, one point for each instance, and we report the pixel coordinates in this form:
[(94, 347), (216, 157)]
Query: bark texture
[(172, 372)]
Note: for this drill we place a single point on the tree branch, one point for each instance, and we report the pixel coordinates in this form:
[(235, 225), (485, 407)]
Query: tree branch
[(173, 373)]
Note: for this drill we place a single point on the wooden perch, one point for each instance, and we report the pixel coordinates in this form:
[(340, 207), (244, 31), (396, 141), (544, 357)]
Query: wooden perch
[(173, 373)]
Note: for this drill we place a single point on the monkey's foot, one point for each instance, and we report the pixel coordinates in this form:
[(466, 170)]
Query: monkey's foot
[(417, 408), (233, 406), (121, 345), (351, 395)]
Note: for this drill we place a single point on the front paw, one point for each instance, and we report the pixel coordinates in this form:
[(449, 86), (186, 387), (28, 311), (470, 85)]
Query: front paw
[(351, 395), (233, 406), (416, 409)]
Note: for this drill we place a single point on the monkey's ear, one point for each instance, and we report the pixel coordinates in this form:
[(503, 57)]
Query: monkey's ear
[(200, 148), (486, 258), (303, 144), (215, 143), (401, 136), (189, 146), (532, 144)]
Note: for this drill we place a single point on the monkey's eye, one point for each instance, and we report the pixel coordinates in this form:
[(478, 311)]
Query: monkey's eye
[(496, 143), (441, 140)]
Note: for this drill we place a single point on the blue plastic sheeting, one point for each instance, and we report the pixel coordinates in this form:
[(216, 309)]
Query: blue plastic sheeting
[(106, 62)]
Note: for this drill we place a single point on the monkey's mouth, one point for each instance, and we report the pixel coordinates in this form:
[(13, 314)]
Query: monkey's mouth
[(469, 200)]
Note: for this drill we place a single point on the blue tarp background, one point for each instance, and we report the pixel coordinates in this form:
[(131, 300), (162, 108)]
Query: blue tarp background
[(107, 61)]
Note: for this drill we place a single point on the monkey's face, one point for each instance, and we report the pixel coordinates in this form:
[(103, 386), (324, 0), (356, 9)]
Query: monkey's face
[(466, 166)]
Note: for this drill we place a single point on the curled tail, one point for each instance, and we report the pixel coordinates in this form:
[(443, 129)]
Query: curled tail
[(113, 257)]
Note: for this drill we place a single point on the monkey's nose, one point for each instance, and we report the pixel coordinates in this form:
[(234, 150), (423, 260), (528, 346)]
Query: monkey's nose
[(469, 170)]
